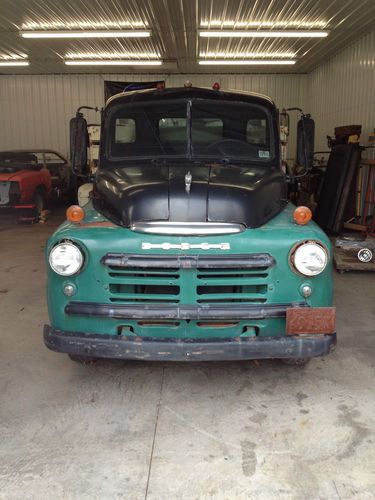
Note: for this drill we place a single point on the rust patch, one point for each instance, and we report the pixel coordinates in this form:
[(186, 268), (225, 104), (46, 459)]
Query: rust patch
[(310, 320)]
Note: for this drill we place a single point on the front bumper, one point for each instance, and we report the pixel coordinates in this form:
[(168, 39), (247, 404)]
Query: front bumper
[(152, 349)]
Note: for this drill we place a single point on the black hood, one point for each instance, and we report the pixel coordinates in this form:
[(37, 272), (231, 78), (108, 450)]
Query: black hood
[(248, 195)]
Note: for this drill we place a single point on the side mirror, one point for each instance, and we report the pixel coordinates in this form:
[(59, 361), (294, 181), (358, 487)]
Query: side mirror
[(78, 143), (305, 141)]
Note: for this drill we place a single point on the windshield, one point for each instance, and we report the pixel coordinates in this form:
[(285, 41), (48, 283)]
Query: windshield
[(191, 128)]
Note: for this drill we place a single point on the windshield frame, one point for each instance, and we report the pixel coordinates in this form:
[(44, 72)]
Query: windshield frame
[(107, 143)]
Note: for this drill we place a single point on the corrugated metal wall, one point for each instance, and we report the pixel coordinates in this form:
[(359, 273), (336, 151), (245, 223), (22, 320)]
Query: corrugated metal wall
[(35, 109), (342, 91)]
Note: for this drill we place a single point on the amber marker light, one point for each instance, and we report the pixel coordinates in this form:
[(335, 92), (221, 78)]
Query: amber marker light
[(302, 215), (75, 214)]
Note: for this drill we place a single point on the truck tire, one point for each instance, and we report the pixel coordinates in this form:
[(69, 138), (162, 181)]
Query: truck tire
[(296, 361), (83, 360)]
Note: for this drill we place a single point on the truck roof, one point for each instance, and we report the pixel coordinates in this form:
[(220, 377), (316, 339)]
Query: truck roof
[(190, 92)]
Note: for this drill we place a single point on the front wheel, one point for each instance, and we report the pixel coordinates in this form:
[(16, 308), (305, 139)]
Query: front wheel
[(83, 360), (296, 361)]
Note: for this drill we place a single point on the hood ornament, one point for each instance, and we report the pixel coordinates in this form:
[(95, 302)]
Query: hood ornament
[(188, 179)]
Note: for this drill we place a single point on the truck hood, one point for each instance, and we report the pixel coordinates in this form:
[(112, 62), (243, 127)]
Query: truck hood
[(234, 193)]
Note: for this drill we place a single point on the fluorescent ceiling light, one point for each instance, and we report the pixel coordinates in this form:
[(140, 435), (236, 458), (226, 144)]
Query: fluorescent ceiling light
[(87, 34), (82, 25), (244, 62), (14, 63), (247, 55), (297, 24), (114, 62), (263, 34), (113, 55)]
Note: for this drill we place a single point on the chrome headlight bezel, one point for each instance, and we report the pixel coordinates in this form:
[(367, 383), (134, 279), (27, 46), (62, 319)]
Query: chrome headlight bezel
[(296, 255), (76, 256)]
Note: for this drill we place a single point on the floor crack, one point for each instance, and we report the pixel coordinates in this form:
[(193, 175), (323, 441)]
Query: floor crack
[(155, 429)]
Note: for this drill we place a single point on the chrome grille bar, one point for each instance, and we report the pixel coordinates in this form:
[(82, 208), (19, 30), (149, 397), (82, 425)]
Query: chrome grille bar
[(187, 228)]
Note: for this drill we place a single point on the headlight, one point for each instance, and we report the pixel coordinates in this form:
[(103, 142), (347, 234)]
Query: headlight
[(66, 259), (310, 258)]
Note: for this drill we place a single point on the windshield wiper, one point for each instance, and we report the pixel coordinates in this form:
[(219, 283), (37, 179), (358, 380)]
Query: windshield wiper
[(224, 160)]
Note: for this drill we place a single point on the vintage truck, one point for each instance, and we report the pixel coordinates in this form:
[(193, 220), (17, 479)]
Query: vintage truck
[(189, 248)]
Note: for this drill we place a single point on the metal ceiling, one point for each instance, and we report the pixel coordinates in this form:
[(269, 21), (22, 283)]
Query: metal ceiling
[(174, 25)]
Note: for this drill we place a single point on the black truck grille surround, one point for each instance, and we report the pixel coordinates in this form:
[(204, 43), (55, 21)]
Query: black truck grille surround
[(197, 279)]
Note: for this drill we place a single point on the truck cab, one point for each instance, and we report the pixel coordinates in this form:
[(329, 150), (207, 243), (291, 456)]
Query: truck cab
[(189, 248)]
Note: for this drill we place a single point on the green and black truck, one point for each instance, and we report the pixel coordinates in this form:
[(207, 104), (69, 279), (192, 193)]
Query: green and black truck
[(189, 248)]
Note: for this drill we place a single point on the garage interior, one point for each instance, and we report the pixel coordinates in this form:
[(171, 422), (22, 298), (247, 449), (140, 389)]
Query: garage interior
[(227, 429)]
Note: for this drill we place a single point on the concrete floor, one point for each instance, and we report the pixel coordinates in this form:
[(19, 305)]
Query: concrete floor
[(137, 430)]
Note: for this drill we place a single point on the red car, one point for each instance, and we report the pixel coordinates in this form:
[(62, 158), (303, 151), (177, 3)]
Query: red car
[(28, 179)]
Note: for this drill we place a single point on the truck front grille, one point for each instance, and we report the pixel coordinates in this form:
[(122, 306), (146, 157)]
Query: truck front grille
[(231, 285), (132, 285), (209, 280)]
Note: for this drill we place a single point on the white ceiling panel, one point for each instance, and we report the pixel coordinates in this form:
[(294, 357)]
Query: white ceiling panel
[(175, 26)]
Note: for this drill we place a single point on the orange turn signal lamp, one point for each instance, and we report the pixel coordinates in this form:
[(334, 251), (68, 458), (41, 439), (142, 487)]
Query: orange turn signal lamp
[(302, 215), (75, 214)]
